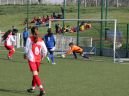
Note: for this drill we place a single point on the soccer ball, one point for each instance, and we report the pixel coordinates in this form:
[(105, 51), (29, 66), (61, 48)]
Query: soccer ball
[(118, 45), (63, 56)]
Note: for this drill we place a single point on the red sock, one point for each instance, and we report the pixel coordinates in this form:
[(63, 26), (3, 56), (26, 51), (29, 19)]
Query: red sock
[(38, 82), (11, 52), (33, 82), (37, 79)]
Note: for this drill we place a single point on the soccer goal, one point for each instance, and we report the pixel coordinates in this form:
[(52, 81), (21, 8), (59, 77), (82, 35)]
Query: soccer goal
[(121, 51), (86, 27)]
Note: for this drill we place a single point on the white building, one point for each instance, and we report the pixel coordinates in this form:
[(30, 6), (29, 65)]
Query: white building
[(52, 1), (31, 1)]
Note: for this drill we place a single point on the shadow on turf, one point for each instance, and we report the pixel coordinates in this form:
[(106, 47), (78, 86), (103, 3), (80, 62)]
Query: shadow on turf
[(72, 58), (13, 60), (14, 91), (4, 58)]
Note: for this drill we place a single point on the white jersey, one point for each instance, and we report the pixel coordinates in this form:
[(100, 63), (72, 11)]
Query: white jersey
[(35, 51), (9, 40)]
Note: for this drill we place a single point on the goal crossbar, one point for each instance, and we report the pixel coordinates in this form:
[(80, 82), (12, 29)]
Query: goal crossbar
[(111, 20), (88, 20)]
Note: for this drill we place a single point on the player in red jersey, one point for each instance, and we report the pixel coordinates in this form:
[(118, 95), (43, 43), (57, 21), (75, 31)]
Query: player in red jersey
[(9, 40), (35, 50)]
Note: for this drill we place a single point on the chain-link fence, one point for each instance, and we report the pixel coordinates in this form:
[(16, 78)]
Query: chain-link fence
[(114, 3)]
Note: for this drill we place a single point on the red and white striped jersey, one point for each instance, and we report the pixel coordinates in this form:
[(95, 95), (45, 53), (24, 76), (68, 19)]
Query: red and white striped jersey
[(9, 40), (35, 51)]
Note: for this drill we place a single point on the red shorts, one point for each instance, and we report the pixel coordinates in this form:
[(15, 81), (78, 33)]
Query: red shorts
[(34, 66), (9, 47)]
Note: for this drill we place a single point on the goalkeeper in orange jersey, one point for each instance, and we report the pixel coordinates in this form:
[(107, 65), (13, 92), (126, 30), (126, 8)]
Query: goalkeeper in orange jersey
[(76, 49)]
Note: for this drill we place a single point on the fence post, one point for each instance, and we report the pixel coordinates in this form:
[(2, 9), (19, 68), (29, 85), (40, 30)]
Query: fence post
[(101, 32), (63, 12), (27, 9), (78, 32), (127, 41)]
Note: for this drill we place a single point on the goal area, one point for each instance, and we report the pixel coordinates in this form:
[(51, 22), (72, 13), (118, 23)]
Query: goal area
[(99, 37), (91, 38)]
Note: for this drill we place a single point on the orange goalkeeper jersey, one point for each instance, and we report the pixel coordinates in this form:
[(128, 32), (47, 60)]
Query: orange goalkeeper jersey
[(75, 48)]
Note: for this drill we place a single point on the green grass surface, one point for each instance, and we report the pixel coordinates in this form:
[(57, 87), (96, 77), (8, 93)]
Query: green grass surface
[(69, 77)]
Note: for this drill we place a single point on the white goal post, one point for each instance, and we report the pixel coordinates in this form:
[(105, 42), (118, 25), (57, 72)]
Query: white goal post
[(114, 21)]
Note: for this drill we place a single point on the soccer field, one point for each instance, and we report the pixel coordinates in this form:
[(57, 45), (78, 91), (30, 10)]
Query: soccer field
[(69, 77)]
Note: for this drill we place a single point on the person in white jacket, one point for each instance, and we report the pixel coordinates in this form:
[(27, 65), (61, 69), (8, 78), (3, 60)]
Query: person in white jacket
[(35, 50)]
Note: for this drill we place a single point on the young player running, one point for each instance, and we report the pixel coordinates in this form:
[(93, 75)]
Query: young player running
[(76, 49), (35, 50), (9, 40), (50, 44)]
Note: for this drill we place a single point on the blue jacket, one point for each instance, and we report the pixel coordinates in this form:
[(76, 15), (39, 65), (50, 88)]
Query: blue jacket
[(25, 34), (49, 41)]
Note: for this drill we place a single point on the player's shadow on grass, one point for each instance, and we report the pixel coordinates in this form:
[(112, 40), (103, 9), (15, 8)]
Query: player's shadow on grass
[(3, 58), (12, 60), (19, 61), (15, 91)]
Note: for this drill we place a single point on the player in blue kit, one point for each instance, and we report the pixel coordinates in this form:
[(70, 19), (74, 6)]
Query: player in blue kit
[(50, 44), (25, 35)]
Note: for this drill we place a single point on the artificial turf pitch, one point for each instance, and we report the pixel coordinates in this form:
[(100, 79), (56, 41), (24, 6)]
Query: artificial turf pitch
[(69, 77)]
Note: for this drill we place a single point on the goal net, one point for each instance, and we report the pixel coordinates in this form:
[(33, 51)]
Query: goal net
[(62, 42), (92, 36)]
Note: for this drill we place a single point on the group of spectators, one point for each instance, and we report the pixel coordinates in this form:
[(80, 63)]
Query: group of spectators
[(38, 21), (67, 28)]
